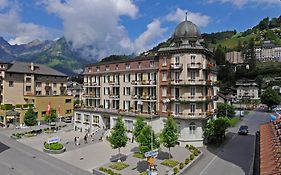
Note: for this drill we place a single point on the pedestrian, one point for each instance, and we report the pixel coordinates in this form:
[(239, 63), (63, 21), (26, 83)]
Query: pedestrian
[(75, 140), (85, 139), (78, 143)]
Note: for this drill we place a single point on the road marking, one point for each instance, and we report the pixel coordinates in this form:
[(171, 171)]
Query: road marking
[(213, 159)]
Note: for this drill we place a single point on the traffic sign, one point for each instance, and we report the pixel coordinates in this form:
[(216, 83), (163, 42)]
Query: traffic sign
[(152, 153), (53, 140)]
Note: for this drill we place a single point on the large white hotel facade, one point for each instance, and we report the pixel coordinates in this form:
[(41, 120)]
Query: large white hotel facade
[(178, 80)]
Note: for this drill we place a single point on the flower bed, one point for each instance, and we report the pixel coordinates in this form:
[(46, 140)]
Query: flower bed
[(108, 171), (54, 148), (119, 166), (170, 163)]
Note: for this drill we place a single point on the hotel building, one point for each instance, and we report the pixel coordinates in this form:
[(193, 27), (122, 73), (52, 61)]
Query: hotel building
[(178, 80)]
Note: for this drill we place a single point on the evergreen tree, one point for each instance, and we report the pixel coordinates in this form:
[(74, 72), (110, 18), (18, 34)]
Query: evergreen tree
[(249, 53), (219, 55), (169, 135), (118, 137), (145, 139), (30, 118), (139, 125)]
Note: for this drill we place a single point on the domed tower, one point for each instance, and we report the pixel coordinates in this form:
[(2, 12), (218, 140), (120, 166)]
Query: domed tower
[(187, 77)]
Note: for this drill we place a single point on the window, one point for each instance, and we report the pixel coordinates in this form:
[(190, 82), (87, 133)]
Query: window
[(164, 76), (192, 58), (98, 68), (96, 119), (164, 92), (177, 60), (86, 118), (68, 111), (107, 68), (192, 75), (192, 91), (11, 84), (116, 67), (28, 80), (55, 92), (67, 100), (78, 116), (106, 90), (127, 78), (152, 64), (38, 92), (177, 108), (192, 108), (139, 65), (106, 104), (55, 84), (192, 128), (164, 63), (126, 105), (164, 107), (127, 66), (38, 84), (28, 88), (127, 91), (129, 125), (139, 77)]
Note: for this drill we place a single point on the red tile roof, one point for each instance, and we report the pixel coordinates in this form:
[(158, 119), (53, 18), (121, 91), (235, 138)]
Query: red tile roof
[(270, 148)]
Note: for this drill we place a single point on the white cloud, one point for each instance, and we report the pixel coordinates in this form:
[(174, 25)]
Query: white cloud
[(241, 3), (95, 27), (153, 32), (20, 32), (179, 15)]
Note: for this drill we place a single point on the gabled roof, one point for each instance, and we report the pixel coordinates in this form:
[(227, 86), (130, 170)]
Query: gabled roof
[(22, 67)]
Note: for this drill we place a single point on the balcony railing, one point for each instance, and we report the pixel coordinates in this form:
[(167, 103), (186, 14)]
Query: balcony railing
[(176, 66), (143, 82), (175, 82), (194, 66), (114, 96), (91, 84)]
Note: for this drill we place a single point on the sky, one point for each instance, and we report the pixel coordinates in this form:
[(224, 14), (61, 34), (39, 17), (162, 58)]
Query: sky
[(104, 27)]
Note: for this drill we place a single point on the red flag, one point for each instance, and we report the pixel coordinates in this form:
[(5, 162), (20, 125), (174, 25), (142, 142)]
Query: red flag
[(49, 108), (59, 110)]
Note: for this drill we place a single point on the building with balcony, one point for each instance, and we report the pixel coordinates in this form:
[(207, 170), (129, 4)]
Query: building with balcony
[(178, 80), (35, 84), (268, 52), (75, 89), (247, 90)]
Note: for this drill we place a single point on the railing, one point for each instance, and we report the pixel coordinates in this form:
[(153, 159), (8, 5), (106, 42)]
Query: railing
[(176, 66), (194, 66)]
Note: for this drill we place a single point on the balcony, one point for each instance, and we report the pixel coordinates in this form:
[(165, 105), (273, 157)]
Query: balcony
[(114, 96), (90, 84), (48, 88), (194, 82), (175, 82), (62, 88), (194, 66), (188, 115), (176, 66), (144, 97), (114, 83), (144, 83)]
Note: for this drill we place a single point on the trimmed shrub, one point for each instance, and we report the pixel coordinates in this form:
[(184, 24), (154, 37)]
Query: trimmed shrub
[(195, 153), (53, 146), (191, 157), (176, 170), (181, 166), (191, 147), (186, 146), (187, 160)]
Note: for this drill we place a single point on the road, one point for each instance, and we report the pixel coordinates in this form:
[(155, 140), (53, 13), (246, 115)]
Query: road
[(235, 157), (19, 159)]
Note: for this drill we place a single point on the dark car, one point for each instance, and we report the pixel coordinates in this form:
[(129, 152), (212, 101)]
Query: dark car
[(243, 130)]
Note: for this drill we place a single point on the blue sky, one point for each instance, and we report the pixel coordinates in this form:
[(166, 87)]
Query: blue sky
[(124, 25)]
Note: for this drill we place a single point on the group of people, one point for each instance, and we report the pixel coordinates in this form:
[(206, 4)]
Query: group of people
[(86, 137)]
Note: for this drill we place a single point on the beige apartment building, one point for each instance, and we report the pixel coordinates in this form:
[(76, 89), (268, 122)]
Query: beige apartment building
[(178, 80), (234, 57), (29, 83), (268, 52)]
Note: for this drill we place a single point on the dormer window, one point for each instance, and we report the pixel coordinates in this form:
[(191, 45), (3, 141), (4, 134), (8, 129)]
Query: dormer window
[(139, 65), (151, 63), (116, 67), (89, 69), (128, 66), (107, 68), (98, 68)]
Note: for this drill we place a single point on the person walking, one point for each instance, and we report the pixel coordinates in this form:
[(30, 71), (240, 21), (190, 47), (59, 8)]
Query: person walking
[(85, 139), (75, 140), (78, 143)]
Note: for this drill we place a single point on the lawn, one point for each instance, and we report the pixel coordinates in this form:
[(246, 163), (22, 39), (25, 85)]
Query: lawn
[(138, 155), (170, 163), (119, 166), (234, 121)]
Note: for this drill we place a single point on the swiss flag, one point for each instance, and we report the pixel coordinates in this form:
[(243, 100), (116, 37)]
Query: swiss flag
[(49, 108)]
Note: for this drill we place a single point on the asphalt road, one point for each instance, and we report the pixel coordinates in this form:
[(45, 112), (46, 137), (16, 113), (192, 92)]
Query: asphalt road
[(19, 159), (235, 156)]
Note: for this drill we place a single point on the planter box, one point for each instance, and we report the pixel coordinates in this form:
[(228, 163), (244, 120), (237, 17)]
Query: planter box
[(54, 151)]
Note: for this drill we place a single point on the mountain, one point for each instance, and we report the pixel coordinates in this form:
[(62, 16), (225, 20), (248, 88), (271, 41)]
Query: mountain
[(56, 54)]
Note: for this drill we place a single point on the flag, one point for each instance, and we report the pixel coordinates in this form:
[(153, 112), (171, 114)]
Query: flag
[(58, 110), (48, 108)]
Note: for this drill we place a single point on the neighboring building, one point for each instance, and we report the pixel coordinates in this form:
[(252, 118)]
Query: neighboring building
[(270, 145), (224, 99), (35, 84), (178, 80), (234, 57), (247, 89), (268, 52), (277, 89), (75, 89)]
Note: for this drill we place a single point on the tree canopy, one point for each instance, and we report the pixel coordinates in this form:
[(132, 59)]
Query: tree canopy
[(270, 97), (225, 110), (51, 117), (30, 118), (138, 126), (169, 136), (145, 139)]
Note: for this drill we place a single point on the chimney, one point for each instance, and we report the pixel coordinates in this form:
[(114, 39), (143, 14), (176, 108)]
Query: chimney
[(32, 66)]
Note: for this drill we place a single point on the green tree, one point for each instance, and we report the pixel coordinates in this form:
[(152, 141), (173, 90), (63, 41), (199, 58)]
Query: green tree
[(30, 118), (145, 137), (51, 117), (169, 135), (219, 55), (138, 126), (270, 97), (225, 110), (118, 137), (214, 130), (249, 52)]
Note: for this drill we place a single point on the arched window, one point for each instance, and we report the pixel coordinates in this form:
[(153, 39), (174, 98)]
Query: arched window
[(192, 128)]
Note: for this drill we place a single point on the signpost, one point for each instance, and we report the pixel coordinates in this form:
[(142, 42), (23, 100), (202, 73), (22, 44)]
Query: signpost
[(53, 140), (152, 153)]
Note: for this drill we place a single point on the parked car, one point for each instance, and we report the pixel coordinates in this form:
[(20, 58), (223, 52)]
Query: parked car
[(277, 108), (243, 130)]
